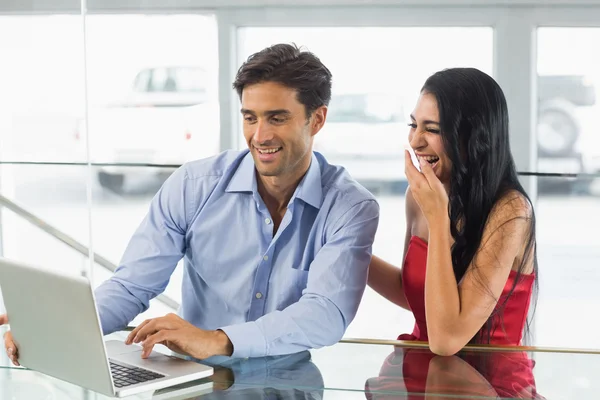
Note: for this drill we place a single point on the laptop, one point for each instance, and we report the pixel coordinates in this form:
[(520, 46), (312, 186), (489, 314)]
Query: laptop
[(55, 323)]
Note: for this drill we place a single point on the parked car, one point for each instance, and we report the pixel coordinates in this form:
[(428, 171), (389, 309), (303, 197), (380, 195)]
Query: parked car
[(169, 86), (564, 103), (168, 118), (150, 138), (558, 126)]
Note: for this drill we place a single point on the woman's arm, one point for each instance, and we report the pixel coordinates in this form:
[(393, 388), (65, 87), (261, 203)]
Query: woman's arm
[(455, 312), (385, 278)]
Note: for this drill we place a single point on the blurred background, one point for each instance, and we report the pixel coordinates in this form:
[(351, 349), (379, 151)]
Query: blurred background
[(101, 101)]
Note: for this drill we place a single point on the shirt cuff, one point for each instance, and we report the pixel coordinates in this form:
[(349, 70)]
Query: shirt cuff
[(247, 340)]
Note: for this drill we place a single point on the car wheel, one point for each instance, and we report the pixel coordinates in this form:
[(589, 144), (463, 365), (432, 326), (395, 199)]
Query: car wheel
[(557, 130), (112, 182)]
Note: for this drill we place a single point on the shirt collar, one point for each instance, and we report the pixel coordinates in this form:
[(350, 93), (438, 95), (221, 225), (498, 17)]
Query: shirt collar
[(309, 189), (244, 177)]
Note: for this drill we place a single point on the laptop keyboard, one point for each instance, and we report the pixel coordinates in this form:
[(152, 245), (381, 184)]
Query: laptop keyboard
[(127, 376)]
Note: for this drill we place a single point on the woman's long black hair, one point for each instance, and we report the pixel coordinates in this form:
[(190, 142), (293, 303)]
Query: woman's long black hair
[(474, 127)]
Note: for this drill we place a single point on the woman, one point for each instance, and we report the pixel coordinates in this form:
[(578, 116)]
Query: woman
[(469, 255)]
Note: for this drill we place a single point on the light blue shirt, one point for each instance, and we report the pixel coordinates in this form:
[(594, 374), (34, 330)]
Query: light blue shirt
[(271, 294)]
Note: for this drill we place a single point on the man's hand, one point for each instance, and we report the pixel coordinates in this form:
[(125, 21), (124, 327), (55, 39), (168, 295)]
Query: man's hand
[(9, 344), (181, 337)]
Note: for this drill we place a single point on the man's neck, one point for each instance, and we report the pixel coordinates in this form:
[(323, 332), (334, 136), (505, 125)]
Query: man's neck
[(276, 192)]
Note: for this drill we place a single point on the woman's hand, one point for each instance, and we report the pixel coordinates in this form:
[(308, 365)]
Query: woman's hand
[(428, 191)]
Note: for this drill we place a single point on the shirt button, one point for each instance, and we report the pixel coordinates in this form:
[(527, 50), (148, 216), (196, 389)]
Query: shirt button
[(265, 258), (267, 221), (258, 295)]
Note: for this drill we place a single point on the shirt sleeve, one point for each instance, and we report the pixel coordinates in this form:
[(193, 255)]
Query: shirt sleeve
[(336, 283), (149, 259)]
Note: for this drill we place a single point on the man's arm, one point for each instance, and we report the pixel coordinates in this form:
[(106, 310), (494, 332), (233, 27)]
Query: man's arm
[(150, 258), (336, 283)]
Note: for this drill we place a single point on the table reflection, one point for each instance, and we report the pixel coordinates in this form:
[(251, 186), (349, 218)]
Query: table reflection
[(292, 376), (415, 372)]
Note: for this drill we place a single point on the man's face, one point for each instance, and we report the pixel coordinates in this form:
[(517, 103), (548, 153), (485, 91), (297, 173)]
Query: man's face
[(279, 135)]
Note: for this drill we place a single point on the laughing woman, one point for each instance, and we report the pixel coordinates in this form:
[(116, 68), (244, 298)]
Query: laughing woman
[(469, 267)]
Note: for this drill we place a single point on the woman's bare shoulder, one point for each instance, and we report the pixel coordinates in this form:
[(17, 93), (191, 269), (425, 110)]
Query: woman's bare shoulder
[(513, 204)]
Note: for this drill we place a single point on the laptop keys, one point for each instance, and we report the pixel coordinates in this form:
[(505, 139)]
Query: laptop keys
[(127, 376)]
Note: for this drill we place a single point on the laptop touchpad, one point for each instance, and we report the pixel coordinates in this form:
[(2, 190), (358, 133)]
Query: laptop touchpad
[(115, 347)]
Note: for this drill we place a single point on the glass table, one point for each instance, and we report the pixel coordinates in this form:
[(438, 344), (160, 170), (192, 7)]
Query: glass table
[(361, 369)]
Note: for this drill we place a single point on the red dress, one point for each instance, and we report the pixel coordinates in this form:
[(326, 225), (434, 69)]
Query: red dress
[(515, 309), (509, 374)]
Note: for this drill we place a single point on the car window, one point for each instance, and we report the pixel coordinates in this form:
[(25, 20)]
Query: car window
[(160, 81), (141, 81)]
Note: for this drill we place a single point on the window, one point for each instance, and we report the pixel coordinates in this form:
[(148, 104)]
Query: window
[(568, 85), (42, 95), (42, 98), (43, 120), (158, 106), (568, 208)]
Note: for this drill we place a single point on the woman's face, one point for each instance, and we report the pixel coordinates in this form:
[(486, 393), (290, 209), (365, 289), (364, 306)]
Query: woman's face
[(425, 138)]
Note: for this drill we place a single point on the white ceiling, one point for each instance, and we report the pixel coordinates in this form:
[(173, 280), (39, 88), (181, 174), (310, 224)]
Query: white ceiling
[(44, 6)]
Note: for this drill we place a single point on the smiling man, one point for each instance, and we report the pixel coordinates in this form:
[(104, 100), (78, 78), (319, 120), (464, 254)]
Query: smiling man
[(276, 242)]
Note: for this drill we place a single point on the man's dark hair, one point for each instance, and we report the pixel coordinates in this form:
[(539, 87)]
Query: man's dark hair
[(288, 65)]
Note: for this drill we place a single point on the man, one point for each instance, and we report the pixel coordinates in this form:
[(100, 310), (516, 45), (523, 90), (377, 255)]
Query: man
[(276, 242)]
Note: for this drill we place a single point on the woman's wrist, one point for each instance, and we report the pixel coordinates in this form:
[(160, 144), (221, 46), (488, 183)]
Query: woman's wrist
[(440, 229)]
